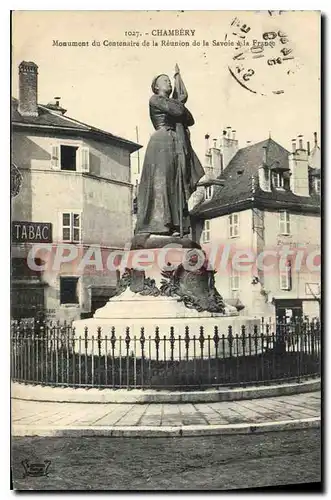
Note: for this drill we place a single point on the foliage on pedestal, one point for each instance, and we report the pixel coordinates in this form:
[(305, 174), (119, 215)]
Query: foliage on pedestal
[(196, 289)]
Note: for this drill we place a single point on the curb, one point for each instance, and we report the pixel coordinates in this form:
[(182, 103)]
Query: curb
[(166, 431), (138, 396)]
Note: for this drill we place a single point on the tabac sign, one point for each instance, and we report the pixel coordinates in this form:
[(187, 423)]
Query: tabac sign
[(31, 232)]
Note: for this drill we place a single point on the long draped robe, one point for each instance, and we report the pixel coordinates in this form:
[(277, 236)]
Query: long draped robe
[(168, 153)]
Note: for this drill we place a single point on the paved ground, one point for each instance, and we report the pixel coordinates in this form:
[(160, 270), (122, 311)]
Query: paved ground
[(208, 463), (29, 416)]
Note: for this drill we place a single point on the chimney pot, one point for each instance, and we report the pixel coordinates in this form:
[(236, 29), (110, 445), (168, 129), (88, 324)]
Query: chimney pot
[(300, 142), (294, 145), (28, 88), (228, 132), (215, 143), (207, 143), (233, 134), (315, 138)]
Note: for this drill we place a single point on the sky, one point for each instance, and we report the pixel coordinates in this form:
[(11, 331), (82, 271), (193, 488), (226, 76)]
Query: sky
[(109, 87)]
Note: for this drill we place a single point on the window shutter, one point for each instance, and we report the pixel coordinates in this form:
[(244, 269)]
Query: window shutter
[(237, 224), (84, 159), (282, 222), (55, 157), (285, 277), (289, 275), (283, 281), (288, 223)]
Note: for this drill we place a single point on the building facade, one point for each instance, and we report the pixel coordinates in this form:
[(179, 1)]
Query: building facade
[(75, 194), (260, 206)]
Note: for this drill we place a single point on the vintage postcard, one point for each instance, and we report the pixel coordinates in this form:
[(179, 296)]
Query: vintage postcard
[(165, 250)]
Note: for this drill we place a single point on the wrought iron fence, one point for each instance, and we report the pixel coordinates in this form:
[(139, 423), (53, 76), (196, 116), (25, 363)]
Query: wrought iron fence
[(55, 355)]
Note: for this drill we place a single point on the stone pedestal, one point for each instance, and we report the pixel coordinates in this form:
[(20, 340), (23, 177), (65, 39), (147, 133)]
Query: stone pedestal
[(166, 305)]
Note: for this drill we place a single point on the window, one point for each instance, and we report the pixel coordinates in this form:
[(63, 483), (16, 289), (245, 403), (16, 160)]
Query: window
[(208, 192), (233, 225), (71, 158), (267, 174), (206, 232), (277, 180), (71, 227), (69, 290), (234, 280), (285, 277), (317, 184), (284, 222), (68, 158)]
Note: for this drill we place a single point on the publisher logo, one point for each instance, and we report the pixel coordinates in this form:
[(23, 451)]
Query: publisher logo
[(36, 469)]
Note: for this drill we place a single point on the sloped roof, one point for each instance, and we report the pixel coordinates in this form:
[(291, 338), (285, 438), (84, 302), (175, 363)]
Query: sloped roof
[(47, 119), (241, 187)]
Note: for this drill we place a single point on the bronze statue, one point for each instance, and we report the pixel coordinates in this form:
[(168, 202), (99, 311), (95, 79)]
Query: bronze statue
[(171, 168)]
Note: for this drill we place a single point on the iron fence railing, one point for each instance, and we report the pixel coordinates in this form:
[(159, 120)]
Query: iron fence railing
[(55, 355)]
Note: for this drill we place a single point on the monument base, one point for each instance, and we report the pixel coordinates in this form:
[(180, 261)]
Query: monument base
[(164, 319), (173, 308)]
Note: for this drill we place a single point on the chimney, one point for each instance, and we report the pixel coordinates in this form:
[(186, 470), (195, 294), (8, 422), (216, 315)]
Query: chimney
[(207, 143), (28, 89), (216, 160), (298, 164), (229, 146), (315, 139), (308, 148), (55, 106)]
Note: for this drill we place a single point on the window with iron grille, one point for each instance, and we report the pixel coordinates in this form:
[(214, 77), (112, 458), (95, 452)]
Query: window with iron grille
[(233, 225)]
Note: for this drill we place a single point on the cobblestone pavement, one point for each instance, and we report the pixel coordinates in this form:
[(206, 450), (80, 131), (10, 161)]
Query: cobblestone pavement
[(31, 414)]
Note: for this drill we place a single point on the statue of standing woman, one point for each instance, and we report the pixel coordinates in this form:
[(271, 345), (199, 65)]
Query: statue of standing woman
[(171, 168)]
